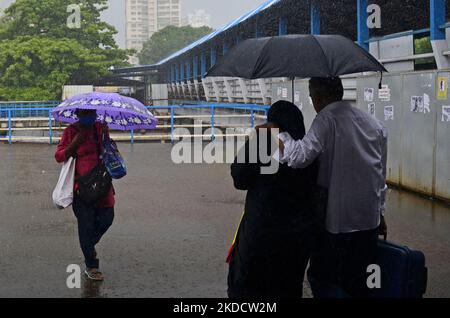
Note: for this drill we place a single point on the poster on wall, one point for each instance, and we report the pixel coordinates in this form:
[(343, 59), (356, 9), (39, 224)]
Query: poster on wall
[(284, 93), (417, 104), (388, 113), (279, 91), (384, 94), (446, 114), (442, 88), (371, 109), (297, 97), (368, 94)]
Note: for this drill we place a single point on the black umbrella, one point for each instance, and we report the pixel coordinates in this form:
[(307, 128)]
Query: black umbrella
[(294, 56)]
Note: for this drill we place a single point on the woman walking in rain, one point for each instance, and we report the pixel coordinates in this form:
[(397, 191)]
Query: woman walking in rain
[(83, 141), (272, 247)]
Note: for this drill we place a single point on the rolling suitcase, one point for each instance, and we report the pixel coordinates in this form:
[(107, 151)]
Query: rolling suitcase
[(403, 272)]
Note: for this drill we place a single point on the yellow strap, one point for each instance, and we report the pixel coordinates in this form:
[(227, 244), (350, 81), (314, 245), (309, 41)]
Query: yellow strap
[(237, 230)]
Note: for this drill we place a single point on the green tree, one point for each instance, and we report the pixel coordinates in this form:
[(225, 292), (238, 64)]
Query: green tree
[(422, 45), (39, 53), (48, 18), (36, 68), (169, 40)]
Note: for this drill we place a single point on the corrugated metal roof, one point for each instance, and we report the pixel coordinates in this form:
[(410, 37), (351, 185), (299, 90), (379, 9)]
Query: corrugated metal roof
[(212, 35)]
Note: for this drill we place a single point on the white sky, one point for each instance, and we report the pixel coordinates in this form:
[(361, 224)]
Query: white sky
[(221, 11)]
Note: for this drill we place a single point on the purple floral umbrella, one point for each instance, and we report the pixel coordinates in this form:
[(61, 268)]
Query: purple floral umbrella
[(119, 112)]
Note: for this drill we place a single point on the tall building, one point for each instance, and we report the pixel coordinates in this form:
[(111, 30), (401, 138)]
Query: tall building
[(199, 18), (168, 13), (145, 17)]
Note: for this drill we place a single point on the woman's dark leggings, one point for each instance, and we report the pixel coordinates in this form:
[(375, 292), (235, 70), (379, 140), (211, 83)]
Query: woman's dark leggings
[(93, 223)]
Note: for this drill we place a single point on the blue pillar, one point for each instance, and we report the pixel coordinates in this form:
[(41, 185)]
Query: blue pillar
[(188, 71), (437, 19), (9, 127), (195, 66), (282, 26), (225, 48), (315, 18), (363, 29), (203, 63), (182, 78), (177, 73), (172, 74), (213, 115), (172, 123), (259, 31), (50, 127), (213, 56)]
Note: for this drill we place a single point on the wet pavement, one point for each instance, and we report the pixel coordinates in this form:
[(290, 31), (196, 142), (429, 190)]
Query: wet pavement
[(171, 232)]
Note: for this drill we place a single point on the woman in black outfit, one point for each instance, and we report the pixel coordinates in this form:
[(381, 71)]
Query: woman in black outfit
[(272, 246)]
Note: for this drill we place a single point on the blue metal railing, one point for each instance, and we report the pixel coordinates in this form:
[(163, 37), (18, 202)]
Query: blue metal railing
[(46, 112), (27, 109), (398, 35), (29, 104), (212, 107), (406, 33)]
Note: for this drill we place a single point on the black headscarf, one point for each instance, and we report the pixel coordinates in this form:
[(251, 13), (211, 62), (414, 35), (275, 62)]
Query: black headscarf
[(288, 117)]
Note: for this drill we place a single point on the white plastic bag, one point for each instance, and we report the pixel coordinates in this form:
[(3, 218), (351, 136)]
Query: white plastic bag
[(63, 193)]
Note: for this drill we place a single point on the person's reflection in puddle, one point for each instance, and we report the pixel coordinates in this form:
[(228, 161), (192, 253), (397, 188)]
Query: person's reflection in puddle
[(92, 289)]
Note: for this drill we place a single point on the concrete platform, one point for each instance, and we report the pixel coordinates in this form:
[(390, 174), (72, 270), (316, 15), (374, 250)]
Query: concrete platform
[(172, 230)]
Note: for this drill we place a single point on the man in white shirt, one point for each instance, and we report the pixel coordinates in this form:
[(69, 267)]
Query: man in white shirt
[(351, 147)]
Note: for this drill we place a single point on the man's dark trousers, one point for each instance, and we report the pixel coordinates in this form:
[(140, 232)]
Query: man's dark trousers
[(338, 265)]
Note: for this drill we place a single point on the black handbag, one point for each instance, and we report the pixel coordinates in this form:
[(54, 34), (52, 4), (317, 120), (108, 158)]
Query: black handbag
[(96, 184)]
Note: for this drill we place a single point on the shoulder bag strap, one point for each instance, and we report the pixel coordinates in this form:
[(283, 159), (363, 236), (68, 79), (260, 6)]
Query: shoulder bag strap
[(97, 142)]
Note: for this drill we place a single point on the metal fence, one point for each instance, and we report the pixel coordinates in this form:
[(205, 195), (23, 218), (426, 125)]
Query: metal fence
[(26, 109), (16, 112)]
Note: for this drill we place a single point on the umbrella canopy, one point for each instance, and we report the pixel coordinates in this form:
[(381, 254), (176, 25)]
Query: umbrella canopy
[(292, 56), (119, 112)]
